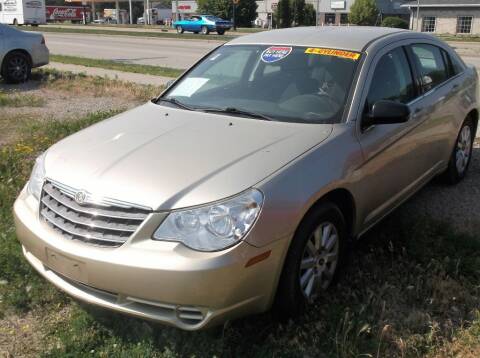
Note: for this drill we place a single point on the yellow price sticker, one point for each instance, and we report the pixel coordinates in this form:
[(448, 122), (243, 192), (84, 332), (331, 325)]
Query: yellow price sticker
[(332, 52)]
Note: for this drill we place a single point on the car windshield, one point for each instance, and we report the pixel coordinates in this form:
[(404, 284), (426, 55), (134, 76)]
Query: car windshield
[(290, 84)]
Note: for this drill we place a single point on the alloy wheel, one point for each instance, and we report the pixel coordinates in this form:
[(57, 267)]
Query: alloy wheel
[(464, 147), (17, 68), (319, 260)]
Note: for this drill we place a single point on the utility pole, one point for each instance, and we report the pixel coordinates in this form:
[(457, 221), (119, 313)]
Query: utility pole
[(317, 20), (235, 2), (130, 10), (177, 15), (418, 13)]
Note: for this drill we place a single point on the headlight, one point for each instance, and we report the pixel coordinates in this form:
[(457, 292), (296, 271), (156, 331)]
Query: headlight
[(213, 227), (37, 177)]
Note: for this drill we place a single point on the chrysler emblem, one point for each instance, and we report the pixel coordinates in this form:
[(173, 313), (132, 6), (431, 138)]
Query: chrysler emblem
[(80, 197)]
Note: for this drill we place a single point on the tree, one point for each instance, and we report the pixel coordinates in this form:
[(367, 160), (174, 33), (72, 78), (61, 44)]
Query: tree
[(299, 12), (363, 12), (245, 12), (284, 18), (310, 15), (395, 22)]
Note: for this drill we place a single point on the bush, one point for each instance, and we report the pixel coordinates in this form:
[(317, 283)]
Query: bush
[(395, 22)]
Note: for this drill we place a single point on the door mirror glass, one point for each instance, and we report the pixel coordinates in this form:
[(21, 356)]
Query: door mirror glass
[(387, 112)]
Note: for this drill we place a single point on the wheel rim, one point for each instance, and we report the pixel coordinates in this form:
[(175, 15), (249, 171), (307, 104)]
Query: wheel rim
[(319, 260), (179, 29), (464, 146), (204, 30), (17, 67)]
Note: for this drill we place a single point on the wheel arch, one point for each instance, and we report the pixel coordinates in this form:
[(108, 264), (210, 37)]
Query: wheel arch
[(473, 114)]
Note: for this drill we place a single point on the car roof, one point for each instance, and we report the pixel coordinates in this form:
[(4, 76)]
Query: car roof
[(353, 38)]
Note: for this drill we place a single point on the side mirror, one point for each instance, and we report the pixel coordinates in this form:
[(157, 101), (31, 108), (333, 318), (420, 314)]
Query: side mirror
[(387, 112)]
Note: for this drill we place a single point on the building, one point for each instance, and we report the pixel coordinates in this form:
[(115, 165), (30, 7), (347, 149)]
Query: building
[(459, 17), (330, 12), (185, 9)]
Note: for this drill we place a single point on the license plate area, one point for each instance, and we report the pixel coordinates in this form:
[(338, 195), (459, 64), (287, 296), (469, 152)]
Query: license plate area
[(73, 269)]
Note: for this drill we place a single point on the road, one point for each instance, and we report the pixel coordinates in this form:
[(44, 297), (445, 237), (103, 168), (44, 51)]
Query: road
[(174, 53)]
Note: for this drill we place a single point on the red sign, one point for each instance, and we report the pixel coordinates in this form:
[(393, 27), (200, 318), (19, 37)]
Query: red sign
[(65, 12), (184, 7)]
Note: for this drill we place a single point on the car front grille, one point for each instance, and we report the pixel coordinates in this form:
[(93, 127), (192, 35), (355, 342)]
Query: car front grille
[(102, 222)]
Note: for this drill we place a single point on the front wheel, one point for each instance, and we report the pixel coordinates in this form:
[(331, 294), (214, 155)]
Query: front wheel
[(180, 30), (205, 30), (221, 32), (313, 259), (462, 153), (16, 67)]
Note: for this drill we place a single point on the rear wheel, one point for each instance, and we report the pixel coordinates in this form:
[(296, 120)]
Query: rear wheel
[(462, 153), (220, 32), (180, 29), (15, 22), (313, 259), (16, 67), (205, 30)]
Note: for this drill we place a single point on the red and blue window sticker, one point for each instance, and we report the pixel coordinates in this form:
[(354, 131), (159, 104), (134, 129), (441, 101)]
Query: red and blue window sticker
[(275, 53)]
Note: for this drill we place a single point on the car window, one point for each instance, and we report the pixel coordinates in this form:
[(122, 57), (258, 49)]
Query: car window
[(286, 83), (392, 79), (431, 64)]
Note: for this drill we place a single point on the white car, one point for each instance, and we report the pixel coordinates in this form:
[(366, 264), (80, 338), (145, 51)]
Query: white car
[(20, 52)]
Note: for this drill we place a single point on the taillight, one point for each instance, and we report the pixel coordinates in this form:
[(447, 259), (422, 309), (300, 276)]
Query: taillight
[(43, 41)]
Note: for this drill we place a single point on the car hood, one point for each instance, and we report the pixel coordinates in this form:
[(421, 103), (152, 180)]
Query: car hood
[(167, 158)]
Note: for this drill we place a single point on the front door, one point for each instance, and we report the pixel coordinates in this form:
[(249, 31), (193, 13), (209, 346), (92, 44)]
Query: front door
[(397, 157)]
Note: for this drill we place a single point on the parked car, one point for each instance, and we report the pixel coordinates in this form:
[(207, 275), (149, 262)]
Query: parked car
[(203, 24), (105, 20), (241, 184), (141, 21), (19, 52)]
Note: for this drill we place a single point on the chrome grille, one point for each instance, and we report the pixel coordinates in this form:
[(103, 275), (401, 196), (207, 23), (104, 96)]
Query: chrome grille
[(104, 222)]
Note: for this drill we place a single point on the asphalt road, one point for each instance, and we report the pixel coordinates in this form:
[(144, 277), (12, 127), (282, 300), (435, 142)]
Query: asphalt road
[(148, 51), (175, 53)]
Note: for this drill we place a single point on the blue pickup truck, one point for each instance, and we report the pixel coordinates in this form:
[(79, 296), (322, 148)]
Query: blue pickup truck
[(203, 24)]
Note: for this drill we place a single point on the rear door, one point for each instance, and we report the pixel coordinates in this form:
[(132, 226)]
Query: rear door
[(439, 99)]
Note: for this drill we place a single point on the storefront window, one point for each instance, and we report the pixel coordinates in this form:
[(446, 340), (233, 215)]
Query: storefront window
[(330, 19)]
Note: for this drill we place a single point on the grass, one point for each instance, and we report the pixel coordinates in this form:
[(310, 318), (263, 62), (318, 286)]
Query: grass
[(87, 30), (410, 288), (462, 38), (118, 66), (80, 84), (20, 100)]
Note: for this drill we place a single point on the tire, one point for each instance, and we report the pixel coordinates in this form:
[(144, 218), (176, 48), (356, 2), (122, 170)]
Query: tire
[(16, 67), (195, 32), (180, 30), (204, 30), (15, 22), (221, 32), (462, 154), (292, 296)]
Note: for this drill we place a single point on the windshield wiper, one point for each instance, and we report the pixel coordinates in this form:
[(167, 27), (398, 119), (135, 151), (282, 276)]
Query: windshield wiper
[(233, 110), (177, 103)]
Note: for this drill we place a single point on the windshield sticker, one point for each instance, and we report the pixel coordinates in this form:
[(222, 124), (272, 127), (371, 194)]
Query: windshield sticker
[(188, 86), (275, 53), (331, 52)]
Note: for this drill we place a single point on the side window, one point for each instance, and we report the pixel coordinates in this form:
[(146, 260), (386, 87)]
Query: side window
[(431, 64), (392, 79)]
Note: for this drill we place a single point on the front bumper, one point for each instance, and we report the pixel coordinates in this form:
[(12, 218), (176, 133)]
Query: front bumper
[(161, 281)]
